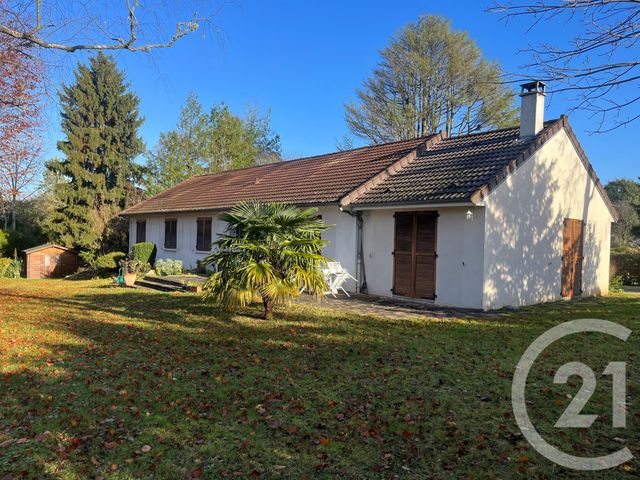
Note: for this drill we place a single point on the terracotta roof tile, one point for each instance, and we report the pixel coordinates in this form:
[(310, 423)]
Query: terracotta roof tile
[(312, 180), (426, 170)]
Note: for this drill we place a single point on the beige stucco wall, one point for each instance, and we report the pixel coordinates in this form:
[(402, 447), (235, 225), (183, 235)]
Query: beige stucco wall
[(523, 236), (459, 265)]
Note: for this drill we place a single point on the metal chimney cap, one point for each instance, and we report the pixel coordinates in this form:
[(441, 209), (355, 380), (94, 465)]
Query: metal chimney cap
[(535, 86)]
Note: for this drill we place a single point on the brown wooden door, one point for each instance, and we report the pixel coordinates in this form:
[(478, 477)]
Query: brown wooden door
[(414, 255), (572, 254), (48, 265)]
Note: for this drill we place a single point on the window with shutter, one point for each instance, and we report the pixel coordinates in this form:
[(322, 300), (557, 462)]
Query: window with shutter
[(141, 231), (203, 235), (170, 234)]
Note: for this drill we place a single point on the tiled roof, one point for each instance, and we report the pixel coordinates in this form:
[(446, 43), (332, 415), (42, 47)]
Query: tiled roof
[(451, 170), (313, 180), (431, 169)]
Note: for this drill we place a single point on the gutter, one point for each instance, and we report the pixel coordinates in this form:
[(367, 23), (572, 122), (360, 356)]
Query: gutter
[(413, 205), (361, 273)]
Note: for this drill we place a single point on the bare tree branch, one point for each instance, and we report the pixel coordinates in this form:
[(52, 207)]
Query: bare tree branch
[(28, 26), (600, 64)]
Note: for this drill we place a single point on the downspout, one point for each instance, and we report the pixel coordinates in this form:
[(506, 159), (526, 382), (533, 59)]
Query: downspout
[(361, 274)]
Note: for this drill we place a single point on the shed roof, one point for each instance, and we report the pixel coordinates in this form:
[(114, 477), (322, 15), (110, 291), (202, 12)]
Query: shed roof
[(48, 245)]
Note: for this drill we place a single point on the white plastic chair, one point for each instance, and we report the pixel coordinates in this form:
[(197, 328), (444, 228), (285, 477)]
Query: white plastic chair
[(336, 277)]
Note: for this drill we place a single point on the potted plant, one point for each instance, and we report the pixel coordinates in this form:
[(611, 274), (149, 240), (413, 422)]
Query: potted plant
[(130, 269), (193, 287)]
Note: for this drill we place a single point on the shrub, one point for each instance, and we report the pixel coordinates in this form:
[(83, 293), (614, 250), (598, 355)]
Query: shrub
[(15, 241), (615, 284), (625, 263), (87, 256), (10, 268), (4, 242), (109, 261), (168, 267), (144, 252)]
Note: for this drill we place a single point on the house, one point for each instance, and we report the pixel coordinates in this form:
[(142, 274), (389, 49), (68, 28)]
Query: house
[(50, 261), (508, 217)]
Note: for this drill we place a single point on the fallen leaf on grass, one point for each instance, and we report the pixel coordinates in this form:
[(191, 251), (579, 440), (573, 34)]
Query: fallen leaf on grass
[(145, 448)]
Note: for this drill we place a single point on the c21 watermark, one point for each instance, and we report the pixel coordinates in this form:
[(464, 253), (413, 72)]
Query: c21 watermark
[(571, 417)]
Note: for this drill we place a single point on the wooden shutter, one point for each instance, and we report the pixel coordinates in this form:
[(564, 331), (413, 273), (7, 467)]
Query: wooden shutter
[(403, 254), (141, 231), (203, 235), (170, 233), (572, 256), (425, 255), (578, 236), (415, 254)]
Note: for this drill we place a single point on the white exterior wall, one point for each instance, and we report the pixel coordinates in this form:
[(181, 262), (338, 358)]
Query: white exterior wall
[(185, 235), (342, 237), (459, 265), (524, 221), (342, 240)]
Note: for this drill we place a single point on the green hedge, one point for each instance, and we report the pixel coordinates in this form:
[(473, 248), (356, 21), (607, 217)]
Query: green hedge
[(625, 262), (144, 252), (110, 261)]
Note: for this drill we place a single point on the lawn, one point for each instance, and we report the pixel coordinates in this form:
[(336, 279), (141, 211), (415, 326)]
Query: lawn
[(106, 382)]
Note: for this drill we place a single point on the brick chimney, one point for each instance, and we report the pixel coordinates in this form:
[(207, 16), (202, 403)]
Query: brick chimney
[(532, 108)]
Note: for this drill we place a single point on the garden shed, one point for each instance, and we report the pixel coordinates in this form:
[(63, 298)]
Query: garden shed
[(50, 261)]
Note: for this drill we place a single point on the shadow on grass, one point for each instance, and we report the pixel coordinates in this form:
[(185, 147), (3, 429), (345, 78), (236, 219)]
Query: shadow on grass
[(106, 371)]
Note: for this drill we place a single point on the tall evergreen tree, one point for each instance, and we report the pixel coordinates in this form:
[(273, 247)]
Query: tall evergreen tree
[(100, 119), (430, 78)]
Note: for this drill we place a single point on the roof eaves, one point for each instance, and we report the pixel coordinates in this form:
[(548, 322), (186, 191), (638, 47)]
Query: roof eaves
[(431, 203), (392, 169), (129, 213), (587, 165), (561, 123), (48, 245)]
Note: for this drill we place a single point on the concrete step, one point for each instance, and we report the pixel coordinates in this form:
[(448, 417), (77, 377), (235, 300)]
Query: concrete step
[(176, 281), (160, 286), (163, 281)]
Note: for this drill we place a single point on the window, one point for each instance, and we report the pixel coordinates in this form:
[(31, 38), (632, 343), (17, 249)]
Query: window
[(203, 236), (170, 233), (141, 231)]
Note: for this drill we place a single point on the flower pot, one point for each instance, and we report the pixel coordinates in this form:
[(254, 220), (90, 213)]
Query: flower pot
[(129, 279)]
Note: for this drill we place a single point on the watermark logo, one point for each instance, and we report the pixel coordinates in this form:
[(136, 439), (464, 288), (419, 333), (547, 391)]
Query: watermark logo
[(571, 417)]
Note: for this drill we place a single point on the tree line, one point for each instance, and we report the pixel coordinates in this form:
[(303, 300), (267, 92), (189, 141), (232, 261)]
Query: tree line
[(430, 77)]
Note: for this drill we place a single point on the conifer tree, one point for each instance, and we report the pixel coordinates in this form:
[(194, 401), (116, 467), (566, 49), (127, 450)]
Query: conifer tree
[(100, 119)]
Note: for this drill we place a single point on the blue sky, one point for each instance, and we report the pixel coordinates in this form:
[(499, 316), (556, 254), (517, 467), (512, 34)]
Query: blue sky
[(304, 60)]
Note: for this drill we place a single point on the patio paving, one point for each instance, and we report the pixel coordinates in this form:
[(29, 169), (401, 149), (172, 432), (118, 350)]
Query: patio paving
[(365, 304)]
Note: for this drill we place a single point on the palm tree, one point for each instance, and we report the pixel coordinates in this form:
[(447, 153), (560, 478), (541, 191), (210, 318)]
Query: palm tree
[(270, 252)]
